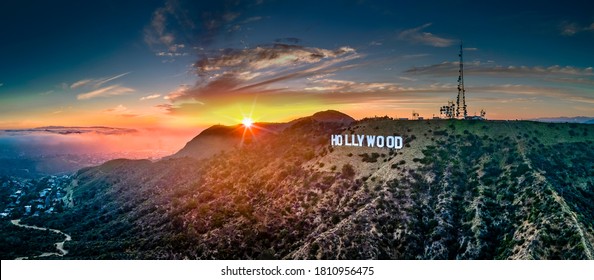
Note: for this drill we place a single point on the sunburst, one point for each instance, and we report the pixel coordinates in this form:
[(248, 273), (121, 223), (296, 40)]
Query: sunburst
[(247, 122)]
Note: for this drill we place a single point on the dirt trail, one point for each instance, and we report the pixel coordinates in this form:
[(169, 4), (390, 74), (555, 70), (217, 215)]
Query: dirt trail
[(59, 245)]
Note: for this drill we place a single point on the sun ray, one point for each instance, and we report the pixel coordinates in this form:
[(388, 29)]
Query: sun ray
[(247, 122)]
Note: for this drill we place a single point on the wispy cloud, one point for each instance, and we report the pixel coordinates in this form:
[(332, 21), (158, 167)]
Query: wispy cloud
[(95, 83), (103, 81), (152, 96), (105, 91), (251, 19), (572, 28), (416, 36), (118, 109), (579, 81), (239, 26), (80, 83), (171, 54), (407, 78), (261, 57), (489, 69), (288, 40), (582, 99), (157, 33), (179, 92), (569, 28), (180, 23), (434, 94), (252, 69), (95, 87), (333, 85), (1, 84), (121, 111)]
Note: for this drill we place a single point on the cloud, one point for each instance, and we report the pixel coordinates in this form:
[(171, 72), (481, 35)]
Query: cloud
[(152, 96), (569, 29), (157, 33), (171, 54), (407, 79), (251, 19), (80, 83), (165, 106), (578, 81), (238, 26), (581, 99), (121, 111), (180, 91), (261, 57), (288, 40), (118, 109), (65, 130), (1, 84), (95, 88), (95, 83), (105, 91), (103, 81), (413, 56), (230, 16), (489, 69), (560, 94), (414, 35), (436, 94), (333, 85), (232, 71), (572, 28), (194, 23)]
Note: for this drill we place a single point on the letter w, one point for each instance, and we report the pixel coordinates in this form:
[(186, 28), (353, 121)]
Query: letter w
[(370, 140)]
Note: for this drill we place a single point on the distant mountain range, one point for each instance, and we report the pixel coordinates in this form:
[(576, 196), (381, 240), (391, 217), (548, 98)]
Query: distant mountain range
[(73, 130), (581, 119), (457, 190)]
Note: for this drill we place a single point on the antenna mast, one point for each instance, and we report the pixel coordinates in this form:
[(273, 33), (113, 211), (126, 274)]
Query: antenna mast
[(461, 90)]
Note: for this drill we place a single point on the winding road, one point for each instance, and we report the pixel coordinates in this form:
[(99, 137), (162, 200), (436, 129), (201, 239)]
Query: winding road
[(59, 245)]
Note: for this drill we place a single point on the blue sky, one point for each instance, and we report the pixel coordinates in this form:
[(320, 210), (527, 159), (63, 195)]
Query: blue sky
[(195, 63)]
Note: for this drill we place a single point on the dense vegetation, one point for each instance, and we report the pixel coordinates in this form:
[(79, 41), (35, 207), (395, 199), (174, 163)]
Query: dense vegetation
[(18, 242), (458, 190)]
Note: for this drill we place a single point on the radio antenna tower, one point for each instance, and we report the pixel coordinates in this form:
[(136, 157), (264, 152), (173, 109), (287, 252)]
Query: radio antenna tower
[(461, 90)]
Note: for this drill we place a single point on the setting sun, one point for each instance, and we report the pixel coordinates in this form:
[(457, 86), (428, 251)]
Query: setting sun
[(247, 122)]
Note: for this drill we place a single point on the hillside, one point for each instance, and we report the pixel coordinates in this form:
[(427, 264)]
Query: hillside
[(457, 190), (219, 138)]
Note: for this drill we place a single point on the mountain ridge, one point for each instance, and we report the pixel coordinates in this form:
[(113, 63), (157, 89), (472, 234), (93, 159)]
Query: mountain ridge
[(218, 138), (457, 190)]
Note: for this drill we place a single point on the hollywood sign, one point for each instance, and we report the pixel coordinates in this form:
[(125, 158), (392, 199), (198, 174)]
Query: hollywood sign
[(354, 140)]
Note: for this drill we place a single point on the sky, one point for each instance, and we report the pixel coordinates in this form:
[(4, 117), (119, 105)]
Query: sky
[(181, 66)]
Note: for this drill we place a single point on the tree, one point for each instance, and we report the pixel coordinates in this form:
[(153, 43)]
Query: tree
[(348, 171)]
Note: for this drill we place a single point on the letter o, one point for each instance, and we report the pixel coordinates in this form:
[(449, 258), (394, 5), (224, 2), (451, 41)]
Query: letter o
[(390, 142), (380, 144)]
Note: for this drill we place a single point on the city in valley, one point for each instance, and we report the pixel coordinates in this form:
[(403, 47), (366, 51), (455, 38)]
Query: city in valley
[(21, 197)]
